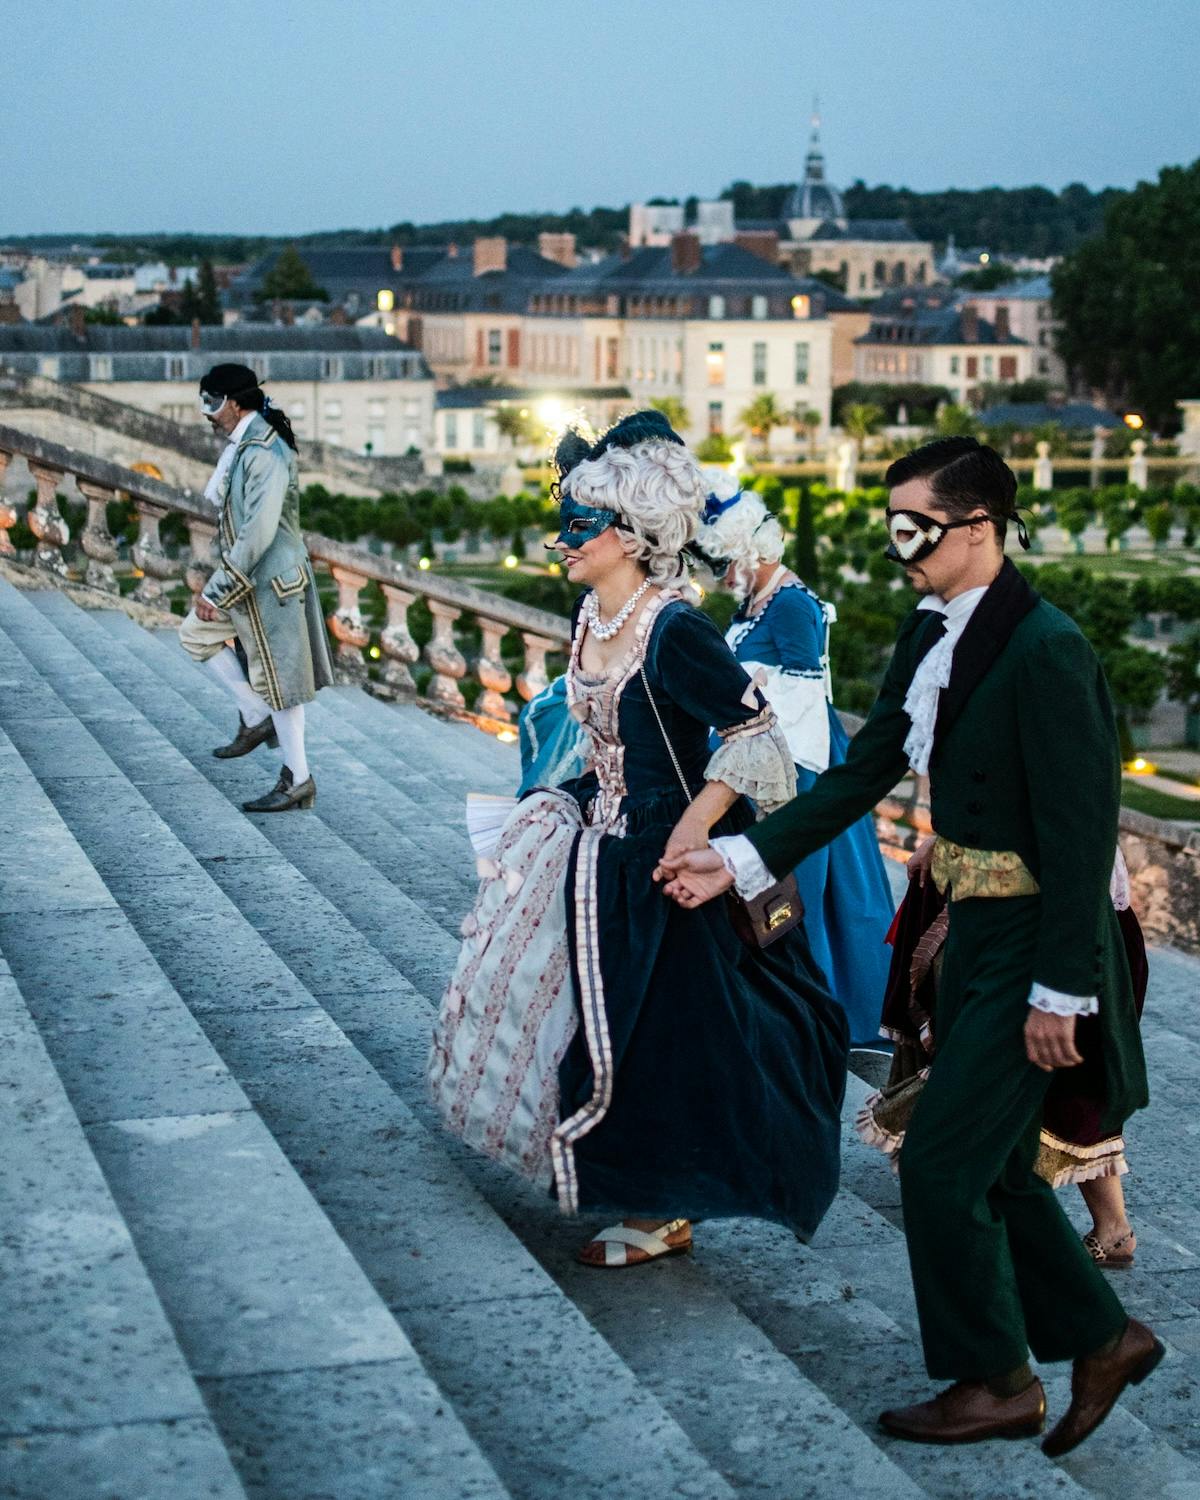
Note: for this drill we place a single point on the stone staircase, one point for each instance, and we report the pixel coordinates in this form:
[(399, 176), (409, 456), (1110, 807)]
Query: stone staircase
[(239, 1256)]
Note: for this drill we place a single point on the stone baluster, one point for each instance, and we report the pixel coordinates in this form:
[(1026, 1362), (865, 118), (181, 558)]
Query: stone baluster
[(201, 557), (1043, 467), (348, 627), (46, 523), (533, 679), (1139, 465), (8, 512), (397, 644), (492, 673), (97, 541), (150, 556), (444, 657)]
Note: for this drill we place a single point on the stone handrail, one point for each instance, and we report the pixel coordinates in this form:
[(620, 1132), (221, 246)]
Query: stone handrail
[(352, 568)]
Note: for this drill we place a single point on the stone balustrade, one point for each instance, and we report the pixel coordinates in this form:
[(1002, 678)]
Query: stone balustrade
[(451, 604)]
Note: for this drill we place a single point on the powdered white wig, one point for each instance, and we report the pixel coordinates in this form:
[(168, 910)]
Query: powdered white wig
[(746, 534), (658, 490)]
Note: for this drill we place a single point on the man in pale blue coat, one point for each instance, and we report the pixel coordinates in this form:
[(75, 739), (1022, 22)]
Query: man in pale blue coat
[(263, 592)]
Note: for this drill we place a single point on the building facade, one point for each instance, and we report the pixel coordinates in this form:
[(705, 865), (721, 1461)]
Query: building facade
[(928, 338), (1029, 311), (353, 388)]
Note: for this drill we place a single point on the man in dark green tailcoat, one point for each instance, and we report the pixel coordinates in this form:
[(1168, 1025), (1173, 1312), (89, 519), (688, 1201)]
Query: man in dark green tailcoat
[(1000, 698)]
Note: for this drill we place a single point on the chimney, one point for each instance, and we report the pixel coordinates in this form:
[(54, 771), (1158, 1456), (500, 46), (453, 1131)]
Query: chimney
[(337, 317), (77, 321), (761, 242), (195, 333), (685, 254), (451, 251), (559, 248), (397, 258), (626, 249), (491, 254), (1003, 330), (287, 314), (970, 324)]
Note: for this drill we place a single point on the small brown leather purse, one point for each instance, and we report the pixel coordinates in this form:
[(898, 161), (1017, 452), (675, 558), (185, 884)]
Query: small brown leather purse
[(765, 918)]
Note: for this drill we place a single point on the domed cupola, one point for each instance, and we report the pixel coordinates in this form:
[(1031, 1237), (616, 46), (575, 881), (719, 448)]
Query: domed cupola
[(814, 200)]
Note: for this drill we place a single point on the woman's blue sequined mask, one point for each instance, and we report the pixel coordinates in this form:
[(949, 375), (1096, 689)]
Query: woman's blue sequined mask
[(581, 523)]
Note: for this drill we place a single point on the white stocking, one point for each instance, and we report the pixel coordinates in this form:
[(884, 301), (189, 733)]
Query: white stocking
[(226, 667), (289, 726)]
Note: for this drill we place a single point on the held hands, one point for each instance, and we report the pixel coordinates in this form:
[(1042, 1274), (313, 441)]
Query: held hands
[(205, 610), (1050, 1041), (694, 877)]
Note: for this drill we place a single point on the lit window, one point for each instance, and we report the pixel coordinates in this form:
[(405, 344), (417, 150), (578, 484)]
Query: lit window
[(759, 375), (385, 300), (801, 306), (715, 360), (801, 364)]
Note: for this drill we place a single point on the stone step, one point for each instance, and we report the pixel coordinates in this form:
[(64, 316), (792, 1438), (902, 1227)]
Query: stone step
[(95, 1395), (368, 812), (451, 1262), (277, 1320)]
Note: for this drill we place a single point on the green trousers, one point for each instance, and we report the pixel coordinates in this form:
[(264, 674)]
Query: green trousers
[(997, 1268)]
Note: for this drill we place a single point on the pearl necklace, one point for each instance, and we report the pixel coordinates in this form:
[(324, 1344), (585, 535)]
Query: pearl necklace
[(604, 630)]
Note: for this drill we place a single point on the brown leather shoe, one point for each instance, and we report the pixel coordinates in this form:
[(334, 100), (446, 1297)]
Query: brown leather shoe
[(248, 738), (1096, 1382), (969, 1413)]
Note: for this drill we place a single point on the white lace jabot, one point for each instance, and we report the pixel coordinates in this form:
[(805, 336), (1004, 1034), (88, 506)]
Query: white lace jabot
[(214, 491), (933, 674)]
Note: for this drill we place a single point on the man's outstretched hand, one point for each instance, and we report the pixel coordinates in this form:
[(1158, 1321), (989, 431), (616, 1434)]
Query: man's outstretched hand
[(694, 877)]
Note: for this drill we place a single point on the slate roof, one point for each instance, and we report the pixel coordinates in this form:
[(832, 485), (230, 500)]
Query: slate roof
[(1074, 415), (142, 353), (925, 316), (468, 397), (1036, 289), (867, 229)]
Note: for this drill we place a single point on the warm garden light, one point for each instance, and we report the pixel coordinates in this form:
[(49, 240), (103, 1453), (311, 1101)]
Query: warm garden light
[(374, 653), (801, 306), (550, 413), (424, 565), (385, 300), (554, 570), (510, 561), (1133, 420), (1140, 766), (506, 736)]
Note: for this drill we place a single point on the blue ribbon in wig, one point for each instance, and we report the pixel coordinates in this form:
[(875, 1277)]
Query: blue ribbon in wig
[(714, 508)]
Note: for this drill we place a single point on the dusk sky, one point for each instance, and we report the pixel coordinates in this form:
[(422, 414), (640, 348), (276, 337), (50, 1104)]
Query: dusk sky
[(295, 116)]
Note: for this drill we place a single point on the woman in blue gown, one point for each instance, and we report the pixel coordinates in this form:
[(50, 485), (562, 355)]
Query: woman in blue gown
[(625, 1053), (780, 634)]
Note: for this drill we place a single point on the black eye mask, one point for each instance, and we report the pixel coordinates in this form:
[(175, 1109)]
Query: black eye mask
[(926, 534)]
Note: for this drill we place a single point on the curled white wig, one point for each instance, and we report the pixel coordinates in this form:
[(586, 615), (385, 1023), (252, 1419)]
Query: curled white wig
[(658, 490), (746, 534)]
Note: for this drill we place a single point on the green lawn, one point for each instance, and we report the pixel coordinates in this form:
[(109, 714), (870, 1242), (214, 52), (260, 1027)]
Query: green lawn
[(1155, 804)]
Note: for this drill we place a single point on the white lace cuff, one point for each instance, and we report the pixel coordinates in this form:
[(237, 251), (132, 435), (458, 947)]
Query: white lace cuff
[(743, 861), (1057, 1004), (754, 759)]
